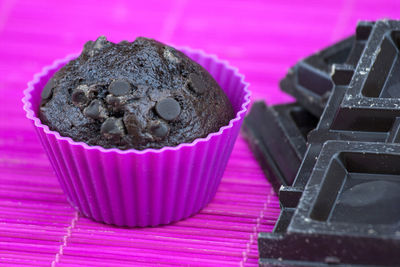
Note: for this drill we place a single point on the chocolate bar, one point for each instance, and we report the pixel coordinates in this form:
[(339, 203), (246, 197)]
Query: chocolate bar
[(348, 213), (280, 144), (310, 81), (342, 207)]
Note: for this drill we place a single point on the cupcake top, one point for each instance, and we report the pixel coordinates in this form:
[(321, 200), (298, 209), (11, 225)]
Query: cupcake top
[(137, 95)]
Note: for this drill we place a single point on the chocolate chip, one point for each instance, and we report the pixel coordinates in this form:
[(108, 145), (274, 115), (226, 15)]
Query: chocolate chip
[(93, 91), (119, 88), (124, 42), (116, 103), (196, 84), (113, 101), (48, 90), (131, 125), (95, 110), (112, 127), (79, 98), (159, 129), (168, 109)]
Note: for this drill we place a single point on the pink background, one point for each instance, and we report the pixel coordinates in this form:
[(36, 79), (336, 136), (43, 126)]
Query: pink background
[(262, 38)]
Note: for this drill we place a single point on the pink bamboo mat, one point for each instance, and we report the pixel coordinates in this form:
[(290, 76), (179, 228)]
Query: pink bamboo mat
[(262, 38)]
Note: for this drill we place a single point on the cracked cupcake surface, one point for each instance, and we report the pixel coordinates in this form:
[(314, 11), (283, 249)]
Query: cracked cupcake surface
[(137, 95)]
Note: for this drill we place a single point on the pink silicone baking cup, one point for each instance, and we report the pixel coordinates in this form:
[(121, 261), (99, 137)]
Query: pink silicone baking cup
[(148, 187)]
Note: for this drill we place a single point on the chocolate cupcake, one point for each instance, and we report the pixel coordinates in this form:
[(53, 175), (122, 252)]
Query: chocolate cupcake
[(134, 95), (129, 162)]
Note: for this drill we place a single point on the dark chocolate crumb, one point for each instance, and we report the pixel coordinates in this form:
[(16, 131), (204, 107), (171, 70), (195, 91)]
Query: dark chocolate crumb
[(171, 55), (93, 91), (100, 42)]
